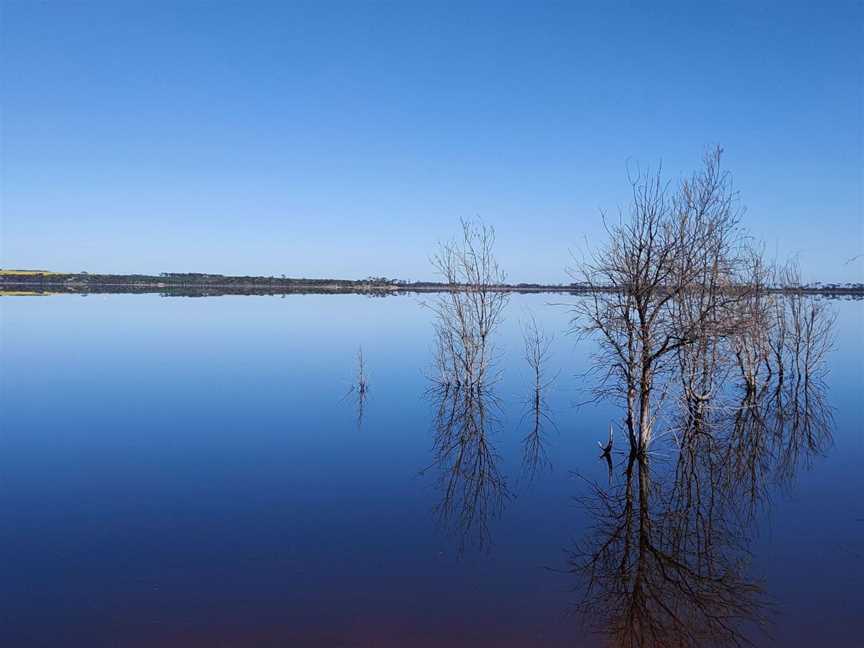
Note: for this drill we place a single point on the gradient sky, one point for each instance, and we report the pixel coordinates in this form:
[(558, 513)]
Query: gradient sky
[(345, 139)]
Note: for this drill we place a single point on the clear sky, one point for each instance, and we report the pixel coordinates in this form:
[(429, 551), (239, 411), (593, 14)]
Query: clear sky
[(345, 139)]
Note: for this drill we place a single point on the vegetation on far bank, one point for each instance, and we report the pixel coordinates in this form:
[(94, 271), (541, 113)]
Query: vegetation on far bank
[(169, 282)]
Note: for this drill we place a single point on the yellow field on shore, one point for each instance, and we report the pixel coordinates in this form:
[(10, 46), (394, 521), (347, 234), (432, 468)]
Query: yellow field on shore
[(27, 272)]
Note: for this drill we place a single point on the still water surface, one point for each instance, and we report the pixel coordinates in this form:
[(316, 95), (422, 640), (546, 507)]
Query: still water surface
[(198, 472)]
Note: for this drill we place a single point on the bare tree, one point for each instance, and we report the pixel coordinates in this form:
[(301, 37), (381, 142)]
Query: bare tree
[(681, 302), (468, 313), (751, 342), (466, 317), (665, 281), (807, 325), (665, 564), (761, 429)]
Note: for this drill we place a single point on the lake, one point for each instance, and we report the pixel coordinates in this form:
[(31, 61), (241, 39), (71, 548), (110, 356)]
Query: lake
[(204, 472)]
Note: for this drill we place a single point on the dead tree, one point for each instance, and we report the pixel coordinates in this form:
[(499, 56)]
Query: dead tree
[(664, 281), (466, 316), (469, 311)]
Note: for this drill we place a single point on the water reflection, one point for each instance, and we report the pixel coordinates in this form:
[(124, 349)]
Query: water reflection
[(538, 345), (359, 389), (777, 429), (739, 408), (251, 526), (665, 563), (471, 485)]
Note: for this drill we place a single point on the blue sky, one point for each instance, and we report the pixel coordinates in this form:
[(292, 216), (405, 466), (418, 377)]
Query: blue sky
[(345, 139)]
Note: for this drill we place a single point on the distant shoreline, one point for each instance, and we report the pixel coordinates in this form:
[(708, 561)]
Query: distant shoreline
[(213, 285), (36, 282)]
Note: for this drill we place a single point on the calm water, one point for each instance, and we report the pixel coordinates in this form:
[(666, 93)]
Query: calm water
[(195, 472)]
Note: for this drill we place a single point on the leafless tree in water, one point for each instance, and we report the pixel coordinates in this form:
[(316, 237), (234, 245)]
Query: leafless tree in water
[(789, 409), (807, 324), (665, 564), (763, 427), (467, 314), (473, 490), (667, 283), (751, 343)]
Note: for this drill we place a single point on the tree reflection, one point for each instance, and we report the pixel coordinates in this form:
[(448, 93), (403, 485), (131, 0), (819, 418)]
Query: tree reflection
[(472, 487), (776, 430), (359, 390), (665, 563), (538, 346)]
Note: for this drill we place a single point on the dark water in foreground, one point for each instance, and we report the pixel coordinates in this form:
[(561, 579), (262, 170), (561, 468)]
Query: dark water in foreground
[(190, 472)]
